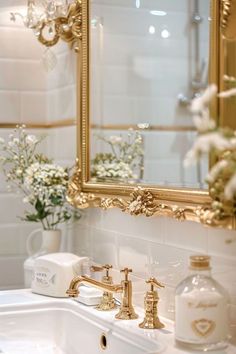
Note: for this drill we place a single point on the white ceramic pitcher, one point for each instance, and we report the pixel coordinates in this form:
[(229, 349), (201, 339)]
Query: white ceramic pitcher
[(51, 241)]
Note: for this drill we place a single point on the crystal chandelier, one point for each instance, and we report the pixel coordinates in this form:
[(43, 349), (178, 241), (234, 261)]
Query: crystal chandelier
[(52, 20)]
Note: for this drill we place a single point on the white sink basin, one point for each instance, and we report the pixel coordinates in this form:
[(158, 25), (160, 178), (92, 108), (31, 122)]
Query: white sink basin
[(31, 324), (34, 324)]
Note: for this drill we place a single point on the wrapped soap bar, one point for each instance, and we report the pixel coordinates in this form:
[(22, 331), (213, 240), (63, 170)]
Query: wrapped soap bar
[(89, 295), (53, 273)]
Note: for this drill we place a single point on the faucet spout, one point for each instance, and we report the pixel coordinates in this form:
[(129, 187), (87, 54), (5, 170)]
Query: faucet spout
[(73, 290), (126, 311)]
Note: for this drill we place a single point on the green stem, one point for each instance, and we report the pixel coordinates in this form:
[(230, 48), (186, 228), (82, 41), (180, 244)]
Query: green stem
[(43, 224), (113, 149), (47, 222)]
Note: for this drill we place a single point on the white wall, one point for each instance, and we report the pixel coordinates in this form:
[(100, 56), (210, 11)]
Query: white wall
[(61, 85), (22, 76), (28, 92)]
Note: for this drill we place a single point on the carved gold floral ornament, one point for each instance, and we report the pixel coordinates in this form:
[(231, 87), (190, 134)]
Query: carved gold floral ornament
[(226, 11), (68, 28), (55, 22), (75, 196), (228, 19), (142, 201)]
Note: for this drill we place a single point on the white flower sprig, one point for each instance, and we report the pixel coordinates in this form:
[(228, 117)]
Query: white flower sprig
[(42, 183), (18, 153), (106, 168), (220, 141)]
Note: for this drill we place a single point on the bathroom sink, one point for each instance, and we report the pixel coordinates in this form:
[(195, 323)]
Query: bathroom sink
[(31, 324), (35, 324)]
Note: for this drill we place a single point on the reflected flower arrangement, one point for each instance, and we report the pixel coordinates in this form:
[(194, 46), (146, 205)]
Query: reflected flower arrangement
[(124, 159)]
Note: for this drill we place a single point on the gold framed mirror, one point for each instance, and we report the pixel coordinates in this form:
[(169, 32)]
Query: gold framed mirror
[(103, 40)]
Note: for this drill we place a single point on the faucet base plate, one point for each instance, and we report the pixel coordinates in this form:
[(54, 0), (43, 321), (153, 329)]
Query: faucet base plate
[(126, 314), (106, 306), (153, 323)]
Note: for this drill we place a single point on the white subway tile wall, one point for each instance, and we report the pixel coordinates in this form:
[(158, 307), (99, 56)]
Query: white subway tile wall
[(28, 92), (11, 276), (137, 76)]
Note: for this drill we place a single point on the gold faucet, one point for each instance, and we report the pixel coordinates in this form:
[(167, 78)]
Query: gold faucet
[(151, 319), (126, 311), (108, 302)]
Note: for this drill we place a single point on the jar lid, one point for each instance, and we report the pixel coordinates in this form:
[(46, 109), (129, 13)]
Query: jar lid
[(200, 262)]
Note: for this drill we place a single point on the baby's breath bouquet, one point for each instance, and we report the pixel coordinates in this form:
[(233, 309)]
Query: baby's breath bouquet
[(123, 161), (42, 183), (221, 143)]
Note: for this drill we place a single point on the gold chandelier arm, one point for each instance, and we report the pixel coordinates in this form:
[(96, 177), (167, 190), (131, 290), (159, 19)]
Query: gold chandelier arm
[(47, 42), (68, 28)]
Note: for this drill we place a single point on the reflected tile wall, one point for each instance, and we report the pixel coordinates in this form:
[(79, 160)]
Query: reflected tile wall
[(144, 70), (137, 77), (164, 152)]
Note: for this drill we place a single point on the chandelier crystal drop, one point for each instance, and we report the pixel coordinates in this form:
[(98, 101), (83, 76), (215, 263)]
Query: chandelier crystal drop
[(59, 18)]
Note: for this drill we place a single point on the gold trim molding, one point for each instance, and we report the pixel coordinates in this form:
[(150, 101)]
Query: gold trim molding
[(143, 202), (145, 127), (56, 124)]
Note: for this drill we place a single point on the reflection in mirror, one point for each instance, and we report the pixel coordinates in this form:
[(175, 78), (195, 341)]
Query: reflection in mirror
[(149, 59), (38, 89)]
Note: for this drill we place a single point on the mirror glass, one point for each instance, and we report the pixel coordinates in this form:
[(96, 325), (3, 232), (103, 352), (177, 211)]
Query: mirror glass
[(38, 89), (148, 59)]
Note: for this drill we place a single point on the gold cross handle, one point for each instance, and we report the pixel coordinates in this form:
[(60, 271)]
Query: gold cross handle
[(107, 267), (126, 271), (153, 282)]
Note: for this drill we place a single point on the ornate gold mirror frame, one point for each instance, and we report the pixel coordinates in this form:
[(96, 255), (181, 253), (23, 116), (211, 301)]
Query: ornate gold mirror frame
[(181, 204)]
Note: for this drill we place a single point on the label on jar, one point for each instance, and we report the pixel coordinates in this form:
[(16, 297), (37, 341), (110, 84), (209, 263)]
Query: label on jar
[(43, 277), (201, 317)]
